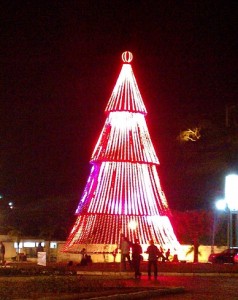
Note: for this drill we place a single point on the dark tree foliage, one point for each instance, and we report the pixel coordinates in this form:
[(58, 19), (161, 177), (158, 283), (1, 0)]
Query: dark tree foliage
[(198, 227), (193, 225), (200, 166)]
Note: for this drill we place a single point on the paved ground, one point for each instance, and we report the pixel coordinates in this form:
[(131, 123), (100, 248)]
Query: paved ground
[(195, 288), (202, 287), (181, 268), (195, 281), (199, 281)]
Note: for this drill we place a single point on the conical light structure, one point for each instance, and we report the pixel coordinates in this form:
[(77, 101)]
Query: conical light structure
[(123, 194)]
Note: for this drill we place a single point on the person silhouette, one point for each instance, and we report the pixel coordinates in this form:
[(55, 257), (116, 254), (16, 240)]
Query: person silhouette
[(136, 257), (2, 253), (153, 254), (125, 252)]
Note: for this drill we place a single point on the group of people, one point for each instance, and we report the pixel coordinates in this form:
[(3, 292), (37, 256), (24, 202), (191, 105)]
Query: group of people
[(125, 246), (154, 253)]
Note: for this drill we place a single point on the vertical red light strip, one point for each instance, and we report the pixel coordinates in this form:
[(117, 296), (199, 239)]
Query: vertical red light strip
[(134, 188), (115, 194), (138, 191), (141, 189), (130, 183), (102, 183)]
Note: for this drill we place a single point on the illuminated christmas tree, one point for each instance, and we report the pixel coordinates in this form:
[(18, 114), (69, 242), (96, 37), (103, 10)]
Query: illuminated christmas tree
[(123, 194)]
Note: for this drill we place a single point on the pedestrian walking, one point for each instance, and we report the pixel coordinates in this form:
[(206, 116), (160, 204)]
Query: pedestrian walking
[(136, 258), (153, 254), (2, 253), (125, 252), (39, 248)]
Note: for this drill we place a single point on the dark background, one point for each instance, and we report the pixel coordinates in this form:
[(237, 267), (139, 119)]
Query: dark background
[(59, 63)]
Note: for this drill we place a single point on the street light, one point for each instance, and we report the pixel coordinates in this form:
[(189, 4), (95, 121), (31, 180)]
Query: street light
[(231, 192), (10, 204), (230, 205), (231, 197), (221, 205)]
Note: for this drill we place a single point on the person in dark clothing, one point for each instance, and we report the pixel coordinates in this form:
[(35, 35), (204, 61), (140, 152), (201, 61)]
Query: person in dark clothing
[(136, 258), (39, 248), (2, 253), (167, 255), (153, 253)]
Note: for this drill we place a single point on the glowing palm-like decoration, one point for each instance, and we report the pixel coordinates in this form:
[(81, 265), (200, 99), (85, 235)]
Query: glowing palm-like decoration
[(123, 192)]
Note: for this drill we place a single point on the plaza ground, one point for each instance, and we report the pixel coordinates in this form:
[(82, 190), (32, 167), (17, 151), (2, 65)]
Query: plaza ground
[(105, 281)]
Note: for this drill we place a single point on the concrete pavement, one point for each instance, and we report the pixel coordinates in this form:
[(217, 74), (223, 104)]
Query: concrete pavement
[(176, 281)]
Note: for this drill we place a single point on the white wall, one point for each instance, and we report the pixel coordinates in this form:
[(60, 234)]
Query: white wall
[(103, 253), (96, 256)]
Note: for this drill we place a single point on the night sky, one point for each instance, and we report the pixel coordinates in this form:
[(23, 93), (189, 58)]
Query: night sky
[(60, 62)]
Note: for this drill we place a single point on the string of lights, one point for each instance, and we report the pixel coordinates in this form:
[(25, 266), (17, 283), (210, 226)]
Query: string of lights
[(123, 193)]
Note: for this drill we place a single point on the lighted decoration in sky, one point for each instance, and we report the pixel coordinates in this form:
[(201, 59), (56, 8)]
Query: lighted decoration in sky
[(123, 192)]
